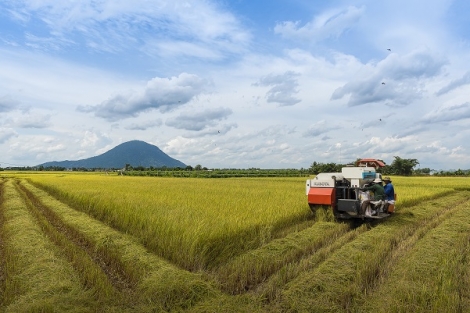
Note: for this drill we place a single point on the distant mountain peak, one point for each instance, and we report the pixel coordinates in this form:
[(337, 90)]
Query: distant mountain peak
[(134, 152)]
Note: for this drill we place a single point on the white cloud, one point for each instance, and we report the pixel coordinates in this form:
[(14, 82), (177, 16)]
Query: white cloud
[(397, 79), (32, 120), (8, 104), (94, 139), (318, 128), (6, 134), (283, 88), (159, 93), (114, 26), (144, 125), (328, 24), (197, 121), (448, 113), (464, 80)]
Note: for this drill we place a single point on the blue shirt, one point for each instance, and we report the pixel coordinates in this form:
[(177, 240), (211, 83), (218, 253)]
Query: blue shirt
[(389, 192)]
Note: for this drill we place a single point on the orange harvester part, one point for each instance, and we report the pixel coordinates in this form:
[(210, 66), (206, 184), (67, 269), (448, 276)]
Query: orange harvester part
[(325, 196)]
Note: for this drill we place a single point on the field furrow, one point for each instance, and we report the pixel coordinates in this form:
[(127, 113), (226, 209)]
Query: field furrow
[(346, 275), (272, 288), (77, 244), (247, 271), (2, 243), (419, 275), (37, 276), (156, 285)]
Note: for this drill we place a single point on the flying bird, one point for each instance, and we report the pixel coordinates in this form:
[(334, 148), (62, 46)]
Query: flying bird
[(389, 49), (383, 83)]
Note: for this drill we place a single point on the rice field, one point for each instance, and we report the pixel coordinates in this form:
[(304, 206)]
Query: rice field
[(95, 242)]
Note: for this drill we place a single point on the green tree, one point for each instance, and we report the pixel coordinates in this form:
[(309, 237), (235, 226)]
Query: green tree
[(422, 171), (198, 167), (403, 167), (317, 168)]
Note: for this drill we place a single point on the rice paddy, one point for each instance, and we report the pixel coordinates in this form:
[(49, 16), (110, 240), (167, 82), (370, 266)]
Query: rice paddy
[(95, 242)]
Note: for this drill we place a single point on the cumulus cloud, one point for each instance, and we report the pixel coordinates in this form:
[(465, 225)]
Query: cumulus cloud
[(283, 88), (37, 148), (329, 24), (8, 104), (379, 146), (464, 80), (6, 133), (92, 139), (216, 130), (164, 94), (200, 120), (33, 121), (144, 125), (318, 128), (396, 79), (413, 130), (448, 113)]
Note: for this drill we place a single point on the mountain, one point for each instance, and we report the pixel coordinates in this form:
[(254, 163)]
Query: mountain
[(135, 152)]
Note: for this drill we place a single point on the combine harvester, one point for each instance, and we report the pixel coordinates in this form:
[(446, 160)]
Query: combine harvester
[(342, 192)]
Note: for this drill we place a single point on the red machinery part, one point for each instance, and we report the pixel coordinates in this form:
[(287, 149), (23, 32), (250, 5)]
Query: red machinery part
[(321, 196)]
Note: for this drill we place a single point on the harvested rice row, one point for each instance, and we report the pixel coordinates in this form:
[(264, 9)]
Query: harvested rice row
[(78, 242), (2, 240), (346, 275), (250, 269), (37, 276), (157, 285), (434, 275), (91, 274)]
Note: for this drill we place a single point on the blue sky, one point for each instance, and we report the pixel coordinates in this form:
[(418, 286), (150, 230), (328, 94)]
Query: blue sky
[(236, 84)]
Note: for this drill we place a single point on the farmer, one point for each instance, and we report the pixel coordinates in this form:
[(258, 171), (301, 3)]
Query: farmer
[(389, 194), (379, 195), (377, 188)]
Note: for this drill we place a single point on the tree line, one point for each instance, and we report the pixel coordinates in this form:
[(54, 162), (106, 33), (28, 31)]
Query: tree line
[(399, 166)]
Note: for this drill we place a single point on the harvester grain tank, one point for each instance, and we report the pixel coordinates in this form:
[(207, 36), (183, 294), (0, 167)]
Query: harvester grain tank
[(342, 192)]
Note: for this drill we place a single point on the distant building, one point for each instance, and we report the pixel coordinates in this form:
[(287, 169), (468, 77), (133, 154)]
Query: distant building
[(370, 163)]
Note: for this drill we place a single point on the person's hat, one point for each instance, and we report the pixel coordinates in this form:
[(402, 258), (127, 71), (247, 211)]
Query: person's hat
[(386, 178), (377, 180)]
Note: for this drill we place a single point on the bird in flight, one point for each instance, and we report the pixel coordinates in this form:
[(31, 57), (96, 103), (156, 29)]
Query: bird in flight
[(389, 49), (383, 83)]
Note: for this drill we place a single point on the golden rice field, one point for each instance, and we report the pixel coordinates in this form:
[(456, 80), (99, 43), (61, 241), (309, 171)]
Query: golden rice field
[(75, 242)]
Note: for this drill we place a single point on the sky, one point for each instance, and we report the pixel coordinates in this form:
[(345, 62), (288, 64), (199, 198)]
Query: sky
[(237, 83)]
